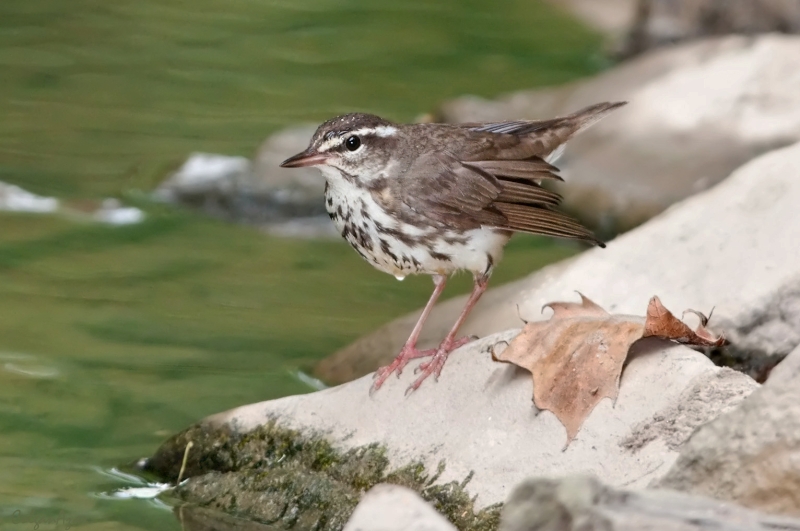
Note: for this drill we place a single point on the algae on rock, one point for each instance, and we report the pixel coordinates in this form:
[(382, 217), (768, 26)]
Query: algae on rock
[(290, 480)]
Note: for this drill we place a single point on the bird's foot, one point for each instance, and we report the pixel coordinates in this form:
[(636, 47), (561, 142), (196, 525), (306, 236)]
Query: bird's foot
[(436, 363), (407, 354)]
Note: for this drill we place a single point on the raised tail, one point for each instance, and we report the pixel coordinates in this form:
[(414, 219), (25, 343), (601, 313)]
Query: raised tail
[(546, 138)]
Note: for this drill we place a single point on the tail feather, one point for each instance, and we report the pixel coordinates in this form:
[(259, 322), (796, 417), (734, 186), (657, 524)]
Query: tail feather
[(524, 151), (545, 137)]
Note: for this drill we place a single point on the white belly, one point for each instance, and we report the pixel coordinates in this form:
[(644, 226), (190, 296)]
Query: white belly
[(372, 232)]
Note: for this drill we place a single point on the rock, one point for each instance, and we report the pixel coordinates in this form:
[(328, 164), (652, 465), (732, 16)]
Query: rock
[(395, 508), (660, 22), (204, 174), (732, 248), (696, 112), (748, 455), (15, 199), (614, 17), (259, 193), (193, 518), (305, 185), (478, 420), (584, 504), (786, 370), (112, 212), (704, 398), (305, 227)]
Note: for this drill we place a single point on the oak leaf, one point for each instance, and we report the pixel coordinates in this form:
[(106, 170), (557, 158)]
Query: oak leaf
[(576, 357)]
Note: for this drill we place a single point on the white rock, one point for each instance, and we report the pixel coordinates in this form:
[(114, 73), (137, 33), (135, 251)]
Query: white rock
[(752, 94), (394, 508), (748, 455), (203, 173), (734, 248), (259, 193), (660, 22), (479, 417), (113, 213), (786, 370), (15, 199)]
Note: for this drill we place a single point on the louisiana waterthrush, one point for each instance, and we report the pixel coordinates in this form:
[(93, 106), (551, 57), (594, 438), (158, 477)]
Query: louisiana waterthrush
[(438, 198)]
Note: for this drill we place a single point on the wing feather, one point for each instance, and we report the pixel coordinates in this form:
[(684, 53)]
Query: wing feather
[(525, 193), (494, 179), (534, 168), (451, 194), (544, 221)]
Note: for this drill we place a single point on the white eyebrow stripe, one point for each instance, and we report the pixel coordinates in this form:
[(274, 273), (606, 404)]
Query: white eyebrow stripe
[(382, 131), (331, 143)]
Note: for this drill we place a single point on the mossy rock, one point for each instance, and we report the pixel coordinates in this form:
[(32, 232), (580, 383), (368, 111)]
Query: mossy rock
[(291, 480)]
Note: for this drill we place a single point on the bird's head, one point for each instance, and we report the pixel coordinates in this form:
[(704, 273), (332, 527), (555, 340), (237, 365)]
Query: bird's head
[(358, 145)]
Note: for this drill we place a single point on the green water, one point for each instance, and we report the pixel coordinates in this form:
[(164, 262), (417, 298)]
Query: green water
[(113, 338)]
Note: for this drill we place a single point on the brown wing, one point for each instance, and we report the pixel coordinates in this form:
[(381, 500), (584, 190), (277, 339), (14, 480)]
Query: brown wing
[(527, 206), (450, 194), (495, 179)]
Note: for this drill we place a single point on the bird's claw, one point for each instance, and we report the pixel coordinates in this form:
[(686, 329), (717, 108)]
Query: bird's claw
[(433, 366), (398, 364)]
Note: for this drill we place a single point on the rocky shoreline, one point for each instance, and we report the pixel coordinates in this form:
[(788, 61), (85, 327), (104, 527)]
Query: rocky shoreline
[(687, 445)]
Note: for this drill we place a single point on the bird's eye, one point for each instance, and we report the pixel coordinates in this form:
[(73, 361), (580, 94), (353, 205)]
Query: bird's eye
[(352, 143)]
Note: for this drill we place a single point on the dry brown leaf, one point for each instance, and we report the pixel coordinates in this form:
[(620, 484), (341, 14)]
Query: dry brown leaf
[(576, 357), (661, 323)]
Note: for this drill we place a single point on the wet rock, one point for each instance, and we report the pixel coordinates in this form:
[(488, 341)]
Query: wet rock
[(660, 22), (204, 175), (748, 455), (477, 420), (584, 504), (732, 248), (394, 508), (696, 112), (295, 480), (259, 193), (113, 212), (15, 199), (193, 518)]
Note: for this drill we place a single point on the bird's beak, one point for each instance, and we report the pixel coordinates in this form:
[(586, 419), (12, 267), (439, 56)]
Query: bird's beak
[(306, 158)]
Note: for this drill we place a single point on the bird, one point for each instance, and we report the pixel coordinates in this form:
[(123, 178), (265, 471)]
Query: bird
[(437, 198)]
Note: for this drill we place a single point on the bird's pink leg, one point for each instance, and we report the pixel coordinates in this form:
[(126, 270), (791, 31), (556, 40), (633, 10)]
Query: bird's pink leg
[(409, 350), (450, 343)]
